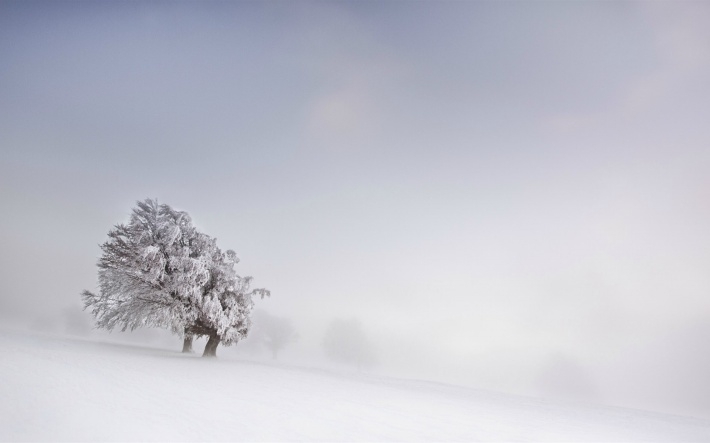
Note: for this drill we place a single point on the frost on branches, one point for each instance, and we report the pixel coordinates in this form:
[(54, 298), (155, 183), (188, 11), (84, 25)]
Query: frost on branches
[(159, 271), (224, 304)]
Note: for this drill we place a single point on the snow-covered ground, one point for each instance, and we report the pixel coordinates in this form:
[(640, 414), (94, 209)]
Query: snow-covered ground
[(63, 389)]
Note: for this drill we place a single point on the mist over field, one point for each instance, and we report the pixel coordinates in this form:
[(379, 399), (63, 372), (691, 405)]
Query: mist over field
[(505, 196)]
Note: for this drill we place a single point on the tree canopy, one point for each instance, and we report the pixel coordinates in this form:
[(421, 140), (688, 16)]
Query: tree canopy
[(158, 270)]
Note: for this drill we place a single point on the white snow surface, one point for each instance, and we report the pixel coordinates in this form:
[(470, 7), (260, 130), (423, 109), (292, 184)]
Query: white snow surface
[(59, 389)]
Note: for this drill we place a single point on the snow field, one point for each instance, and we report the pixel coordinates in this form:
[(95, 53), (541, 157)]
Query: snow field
[(59, 389)]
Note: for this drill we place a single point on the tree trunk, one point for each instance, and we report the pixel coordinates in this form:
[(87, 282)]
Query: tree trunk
[(211, 346), (187, 343)]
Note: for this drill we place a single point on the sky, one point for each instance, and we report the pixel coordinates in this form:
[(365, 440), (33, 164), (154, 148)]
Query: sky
[(506, 195)]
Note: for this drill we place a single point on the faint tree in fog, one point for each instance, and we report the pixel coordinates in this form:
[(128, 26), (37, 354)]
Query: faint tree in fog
[(346, 342), (563, 377), (272, 332), (159, 271)]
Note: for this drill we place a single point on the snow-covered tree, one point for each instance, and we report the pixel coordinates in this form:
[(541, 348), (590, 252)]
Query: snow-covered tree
[(346, 342), (225, 303), (273, 332), (148, 270), (159, 271)]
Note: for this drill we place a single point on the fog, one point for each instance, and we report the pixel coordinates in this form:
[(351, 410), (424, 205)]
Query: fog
[(509, 196)]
